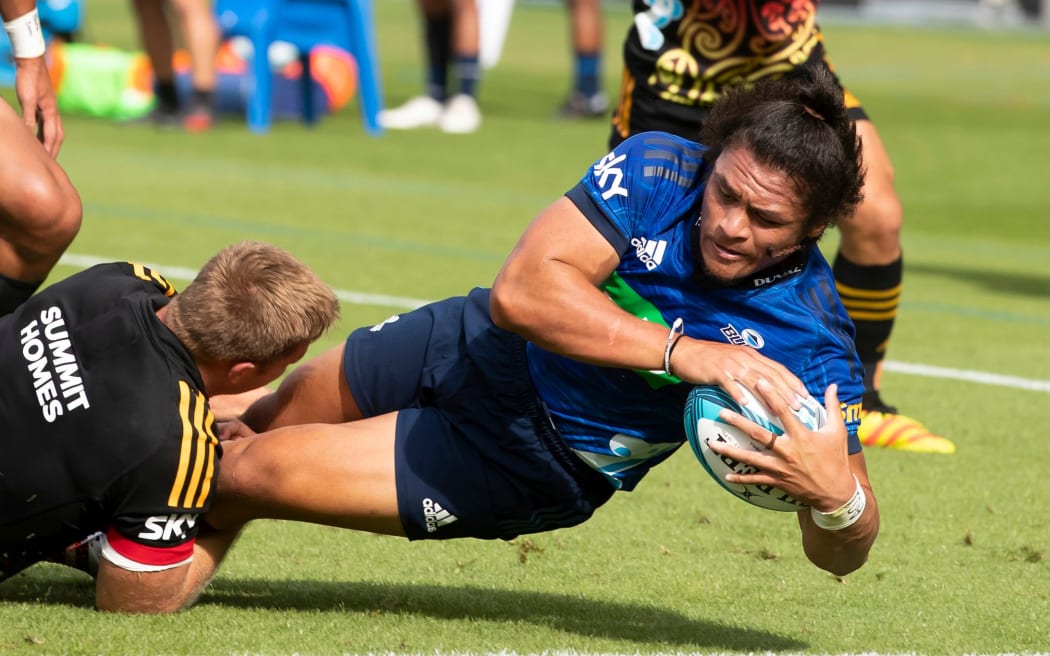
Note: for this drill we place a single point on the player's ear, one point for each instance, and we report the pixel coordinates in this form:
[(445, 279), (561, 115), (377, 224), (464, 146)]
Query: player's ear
[(239, 372)]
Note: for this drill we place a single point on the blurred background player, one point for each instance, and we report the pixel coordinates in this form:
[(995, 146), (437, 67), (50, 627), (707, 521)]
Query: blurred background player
[(586, 99), (679, 56), (201, 36), (452, 44), (40, 211)]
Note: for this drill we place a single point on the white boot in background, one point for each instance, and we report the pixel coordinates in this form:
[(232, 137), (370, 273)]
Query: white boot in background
[(461, 115), (419, 112)]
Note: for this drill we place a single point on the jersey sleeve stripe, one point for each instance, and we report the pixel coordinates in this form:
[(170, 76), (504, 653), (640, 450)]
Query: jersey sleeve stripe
[(187, 444), (200, 444), (205, 455), (197, 454), (212, 444)]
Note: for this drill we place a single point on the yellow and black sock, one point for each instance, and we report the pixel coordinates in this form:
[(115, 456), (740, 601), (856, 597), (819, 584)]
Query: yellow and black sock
[(871, 296)]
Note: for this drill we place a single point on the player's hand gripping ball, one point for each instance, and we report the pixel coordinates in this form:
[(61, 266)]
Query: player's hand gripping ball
[(702, 426)]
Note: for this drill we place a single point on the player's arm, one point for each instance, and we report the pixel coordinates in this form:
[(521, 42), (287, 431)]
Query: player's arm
[(548, 292), (130, 587), (32, 81), (840, 527), (844, 550)]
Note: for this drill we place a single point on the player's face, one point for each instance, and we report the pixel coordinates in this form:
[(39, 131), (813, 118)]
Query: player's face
[(751, 217), (267, 372)]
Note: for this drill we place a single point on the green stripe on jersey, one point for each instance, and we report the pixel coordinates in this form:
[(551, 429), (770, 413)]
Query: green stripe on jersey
[(631, 301)]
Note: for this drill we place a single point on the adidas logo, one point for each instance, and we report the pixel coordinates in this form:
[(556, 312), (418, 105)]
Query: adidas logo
[(435, 516), (649, 251)]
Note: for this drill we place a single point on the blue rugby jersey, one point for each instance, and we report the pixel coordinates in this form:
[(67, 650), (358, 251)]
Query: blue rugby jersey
[(645, 198)]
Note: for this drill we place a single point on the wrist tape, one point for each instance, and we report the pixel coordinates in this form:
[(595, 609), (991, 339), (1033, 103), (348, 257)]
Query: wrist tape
[(845, 515), (26, 35)]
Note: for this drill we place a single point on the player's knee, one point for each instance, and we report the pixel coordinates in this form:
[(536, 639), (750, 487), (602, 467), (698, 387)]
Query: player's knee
[(236, 477), (68, 216), (51, 215)]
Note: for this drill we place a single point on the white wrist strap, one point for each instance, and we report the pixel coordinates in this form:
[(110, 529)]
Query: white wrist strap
[(845, 515), (27, 37)]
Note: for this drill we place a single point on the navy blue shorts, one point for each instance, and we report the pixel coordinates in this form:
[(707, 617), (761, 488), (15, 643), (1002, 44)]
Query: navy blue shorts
[(476, 453)]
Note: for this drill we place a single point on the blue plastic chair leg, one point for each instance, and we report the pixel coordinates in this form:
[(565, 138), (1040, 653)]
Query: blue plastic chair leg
[(365, 53), (259, 100)]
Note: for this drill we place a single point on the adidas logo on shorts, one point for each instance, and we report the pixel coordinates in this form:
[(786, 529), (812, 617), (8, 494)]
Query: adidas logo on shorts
[(435, 516)]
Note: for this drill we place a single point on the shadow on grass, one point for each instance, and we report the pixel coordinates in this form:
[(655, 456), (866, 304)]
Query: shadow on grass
[(1006, 283), (612, 620), (54, 585)]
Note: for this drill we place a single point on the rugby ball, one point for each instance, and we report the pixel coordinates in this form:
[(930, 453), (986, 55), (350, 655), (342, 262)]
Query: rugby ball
[(703, 426)]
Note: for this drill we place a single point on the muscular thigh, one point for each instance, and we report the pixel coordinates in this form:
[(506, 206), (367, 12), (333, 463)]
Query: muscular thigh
[(35, 195), (314, 392), (334, 474), (22, 162)]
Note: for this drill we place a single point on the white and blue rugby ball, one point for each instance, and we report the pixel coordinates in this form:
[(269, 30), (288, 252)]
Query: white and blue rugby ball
[(703, 426)]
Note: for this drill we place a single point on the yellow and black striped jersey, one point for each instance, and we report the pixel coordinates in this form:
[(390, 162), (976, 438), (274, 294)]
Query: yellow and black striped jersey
[(104, 425), (681, 55), (689, 51)]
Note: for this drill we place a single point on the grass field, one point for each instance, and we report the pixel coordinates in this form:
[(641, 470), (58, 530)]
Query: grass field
[(677, 566)]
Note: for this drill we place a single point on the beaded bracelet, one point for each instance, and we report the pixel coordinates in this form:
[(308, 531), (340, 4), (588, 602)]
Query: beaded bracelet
[(676, 332)]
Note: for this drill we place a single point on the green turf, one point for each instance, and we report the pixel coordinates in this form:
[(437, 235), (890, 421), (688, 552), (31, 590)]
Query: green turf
[(677, 566)]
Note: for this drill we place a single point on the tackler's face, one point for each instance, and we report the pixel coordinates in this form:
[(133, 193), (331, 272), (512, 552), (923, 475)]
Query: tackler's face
[(751, 217)]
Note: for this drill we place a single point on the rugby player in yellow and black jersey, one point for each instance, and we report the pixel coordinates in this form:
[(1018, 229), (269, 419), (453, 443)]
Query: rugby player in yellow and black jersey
[(105, 423)]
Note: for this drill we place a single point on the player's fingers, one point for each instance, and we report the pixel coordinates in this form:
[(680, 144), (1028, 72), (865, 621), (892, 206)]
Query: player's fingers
[(757, 433), (831, 399), (780, 408), (233, 430), (787, 385), (29, 118), (755, 368), (51, 136)]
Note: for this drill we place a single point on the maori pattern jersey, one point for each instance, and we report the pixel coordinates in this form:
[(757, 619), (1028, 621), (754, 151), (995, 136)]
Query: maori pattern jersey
[(680, 55)]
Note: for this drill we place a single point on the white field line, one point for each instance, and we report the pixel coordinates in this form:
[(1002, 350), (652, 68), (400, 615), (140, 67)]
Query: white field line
[(982, 377), (407, 303), (183, 273)]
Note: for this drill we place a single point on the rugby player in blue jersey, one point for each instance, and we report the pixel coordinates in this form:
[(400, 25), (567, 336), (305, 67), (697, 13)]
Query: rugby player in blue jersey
[(525, 407), (679, 57)]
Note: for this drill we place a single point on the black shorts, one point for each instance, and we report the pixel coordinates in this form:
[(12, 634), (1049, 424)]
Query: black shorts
[(476, 453)]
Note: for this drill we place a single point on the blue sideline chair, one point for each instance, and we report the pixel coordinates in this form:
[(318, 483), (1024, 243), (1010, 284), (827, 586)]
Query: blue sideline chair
[(346, 24)]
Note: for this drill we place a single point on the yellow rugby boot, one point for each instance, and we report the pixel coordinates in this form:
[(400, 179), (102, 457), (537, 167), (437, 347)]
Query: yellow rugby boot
[(883, 426)]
